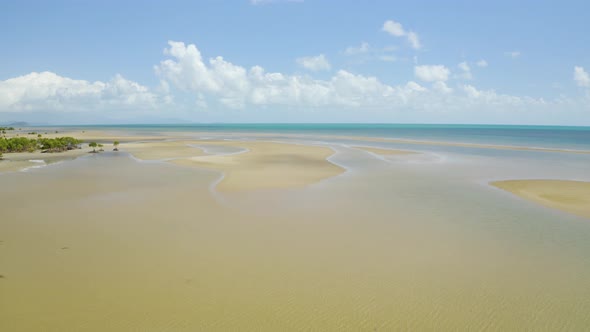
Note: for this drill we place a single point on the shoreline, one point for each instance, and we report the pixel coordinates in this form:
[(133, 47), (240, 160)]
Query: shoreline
[(128, 135)]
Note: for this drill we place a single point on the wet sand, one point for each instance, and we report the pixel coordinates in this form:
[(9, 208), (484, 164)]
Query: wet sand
[(110, 243), (569, 196), (12, 162)]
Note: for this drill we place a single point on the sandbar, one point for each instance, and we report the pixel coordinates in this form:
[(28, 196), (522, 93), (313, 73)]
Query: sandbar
[(267, 165), (162, 150), (568, 196)]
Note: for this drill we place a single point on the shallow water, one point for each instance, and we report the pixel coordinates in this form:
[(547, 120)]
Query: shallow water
[(416, 242), (530, 136)]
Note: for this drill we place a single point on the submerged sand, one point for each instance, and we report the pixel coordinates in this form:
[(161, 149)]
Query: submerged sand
[(569, 196), (385, 152)]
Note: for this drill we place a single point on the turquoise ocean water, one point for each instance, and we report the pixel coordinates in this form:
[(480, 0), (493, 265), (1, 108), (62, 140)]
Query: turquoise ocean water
[(530, 136)]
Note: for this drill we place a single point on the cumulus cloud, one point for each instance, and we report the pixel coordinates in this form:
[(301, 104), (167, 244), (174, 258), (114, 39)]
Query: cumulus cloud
[(218, 86), (237, 88), (314, 63), (432, 73), (481, 63), (581, 77), (442, 87), (47, 91), (394, 28), (397, 30), (512, 54), (465, 71)]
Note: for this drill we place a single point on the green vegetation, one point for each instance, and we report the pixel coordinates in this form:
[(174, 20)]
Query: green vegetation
[(18, 144), (93, 145), (116, 145), (6, 128), (23, 144), (58, 144)]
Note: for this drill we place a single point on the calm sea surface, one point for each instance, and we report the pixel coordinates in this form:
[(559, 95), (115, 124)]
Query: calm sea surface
[(531, 136)]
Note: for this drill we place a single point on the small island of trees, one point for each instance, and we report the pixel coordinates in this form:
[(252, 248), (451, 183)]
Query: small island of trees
[(24, 144), (46, 145)]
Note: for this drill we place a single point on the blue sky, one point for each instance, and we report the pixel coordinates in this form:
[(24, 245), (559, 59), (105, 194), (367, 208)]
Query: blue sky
[(295, 61)]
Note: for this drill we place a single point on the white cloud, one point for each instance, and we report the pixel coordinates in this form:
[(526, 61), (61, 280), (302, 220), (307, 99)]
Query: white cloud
[(414, 40), (314, 63), (581, 77), (394, 28), (442, 87), (432, 73), (465, 71), (47, 91), (222, 91), (481, 63), (237, 87), (512, 54), (229, 86), (397, 30), (354, 50)]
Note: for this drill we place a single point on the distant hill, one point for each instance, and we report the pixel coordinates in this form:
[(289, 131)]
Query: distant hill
[(18, 124)]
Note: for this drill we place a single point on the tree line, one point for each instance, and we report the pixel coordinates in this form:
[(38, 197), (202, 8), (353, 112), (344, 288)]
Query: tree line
[(24, 144)]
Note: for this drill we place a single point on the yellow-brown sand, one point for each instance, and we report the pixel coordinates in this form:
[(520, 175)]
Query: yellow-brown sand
[(162, 150), (569, 196), (383, 151), (110, 244), (267, 165)]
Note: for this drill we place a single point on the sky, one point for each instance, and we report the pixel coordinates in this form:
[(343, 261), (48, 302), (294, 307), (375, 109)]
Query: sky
[(257, 61)]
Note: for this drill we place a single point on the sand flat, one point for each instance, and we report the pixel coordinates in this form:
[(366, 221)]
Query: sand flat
[(267, 165), (106, 243), (162, 150), (569, 196)]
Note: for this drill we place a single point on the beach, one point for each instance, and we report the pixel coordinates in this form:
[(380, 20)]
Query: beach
[(255, 231)]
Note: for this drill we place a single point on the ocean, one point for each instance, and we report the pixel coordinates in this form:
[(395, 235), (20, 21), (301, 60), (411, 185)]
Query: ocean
[(560, 137)]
